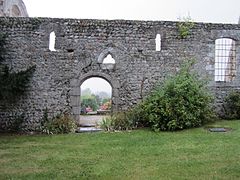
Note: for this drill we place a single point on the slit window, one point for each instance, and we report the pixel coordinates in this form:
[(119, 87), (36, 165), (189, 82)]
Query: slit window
[(225, 59), (158, 42), (52, 39)]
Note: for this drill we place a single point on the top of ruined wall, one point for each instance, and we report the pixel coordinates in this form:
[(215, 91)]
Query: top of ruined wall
[(134, 25), (126, 24), (13, 8)]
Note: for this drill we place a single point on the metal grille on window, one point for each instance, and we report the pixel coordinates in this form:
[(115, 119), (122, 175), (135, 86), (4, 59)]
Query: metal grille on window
[(225, 60)]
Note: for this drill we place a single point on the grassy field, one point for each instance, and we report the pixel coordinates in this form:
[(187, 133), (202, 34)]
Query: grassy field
[(140, 154)]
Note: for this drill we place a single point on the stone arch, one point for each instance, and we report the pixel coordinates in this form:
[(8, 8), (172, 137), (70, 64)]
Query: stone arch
[(76, 91), (104, 54), (16, 11)]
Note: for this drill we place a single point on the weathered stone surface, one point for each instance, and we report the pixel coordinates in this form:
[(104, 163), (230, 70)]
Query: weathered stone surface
[(81, 46), (13, 8)]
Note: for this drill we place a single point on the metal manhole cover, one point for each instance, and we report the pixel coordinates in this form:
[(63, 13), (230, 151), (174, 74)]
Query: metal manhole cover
[(219, 129)]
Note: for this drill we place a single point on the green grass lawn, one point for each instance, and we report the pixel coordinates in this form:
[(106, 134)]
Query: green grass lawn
[(140, 154)]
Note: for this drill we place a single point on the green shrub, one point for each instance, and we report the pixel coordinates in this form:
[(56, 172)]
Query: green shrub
[(182, 102), (232, 105), (124, 121), (184, 26), (60, 124), (137, 117), (17, 123), (119, 121), (107, 124)]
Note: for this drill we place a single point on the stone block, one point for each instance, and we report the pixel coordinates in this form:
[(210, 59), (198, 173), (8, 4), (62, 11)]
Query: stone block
[(76, 110), (75, 91), (75, 101)]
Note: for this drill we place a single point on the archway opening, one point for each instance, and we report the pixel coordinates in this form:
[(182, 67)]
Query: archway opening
[(95, 99)]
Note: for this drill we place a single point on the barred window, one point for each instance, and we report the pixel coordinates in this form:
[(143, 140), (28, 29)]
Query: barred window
[(225, 59)]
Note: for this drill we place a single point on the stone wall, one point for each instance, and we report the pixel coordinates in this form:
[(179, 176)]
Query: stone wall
[(81, 46)]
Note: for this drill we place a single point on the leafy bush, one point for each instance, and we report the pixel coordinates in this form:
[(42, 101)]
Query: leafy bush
[(107, 123), (124, 121), (17, 123), (137, 115), (119, 121), (232, 105), (182, 102), (60, 124)]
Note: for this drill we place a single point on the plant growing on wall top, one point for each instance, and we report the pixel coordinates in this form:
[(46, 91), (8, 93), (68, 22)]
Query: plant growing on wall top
[(185, 24), (12, 84)]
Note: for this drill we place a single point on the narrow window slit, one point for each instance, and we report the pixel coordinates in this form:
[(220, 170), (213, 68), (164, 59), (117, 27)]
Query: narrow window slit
[(158, 42), (52, 40)]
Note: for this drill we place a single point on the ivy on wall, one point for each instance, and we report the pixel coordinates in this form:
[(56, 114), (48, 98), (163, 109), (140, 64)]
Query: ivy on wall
[(12, 84)]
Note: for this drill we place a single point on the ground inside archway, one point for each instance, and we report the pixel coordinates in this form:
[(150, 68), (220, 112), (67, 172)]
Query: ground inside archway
[(91, 119), (90, 123)]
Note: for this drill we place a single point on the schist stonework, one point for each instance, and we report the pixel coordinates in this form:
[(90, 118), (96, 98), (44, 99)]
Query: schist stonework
[(145, 52)]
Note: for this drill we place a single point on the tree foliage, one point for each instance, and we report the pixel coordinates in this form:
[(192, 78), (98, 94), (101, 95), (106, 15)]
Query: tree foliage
[(94, 100), (89, 101)]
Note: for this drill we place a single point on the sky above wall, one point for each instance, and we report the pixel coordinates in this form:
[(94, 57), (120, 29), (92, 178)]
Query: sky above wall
[(216, 11)]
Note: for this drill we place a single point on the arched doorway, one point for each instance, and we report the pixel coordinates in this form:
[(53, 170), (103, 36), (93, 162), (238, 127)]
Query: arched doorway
[(75, 92), (95, 100)]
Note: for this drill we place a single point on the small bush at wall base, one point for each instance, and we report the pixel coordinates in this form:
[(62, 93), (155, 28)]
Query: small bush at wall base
[(60, 124), (17, 123), (182, 102), (232, 105), (107, 124), (120, 121)]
